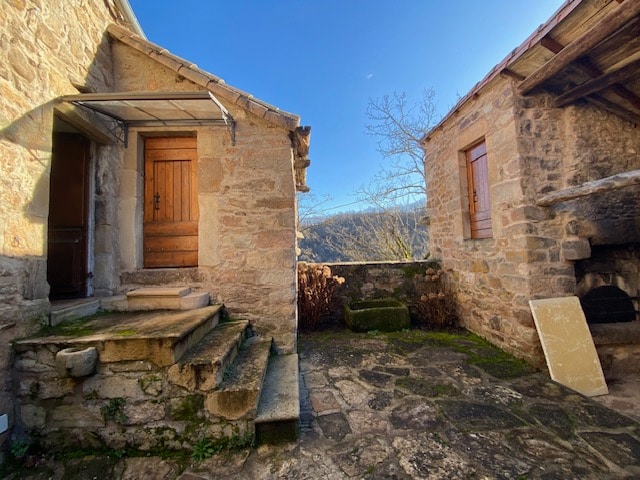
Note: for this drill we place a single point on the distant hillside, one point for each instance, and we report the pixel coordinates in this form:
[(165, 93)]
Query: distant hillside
[(399, 234)]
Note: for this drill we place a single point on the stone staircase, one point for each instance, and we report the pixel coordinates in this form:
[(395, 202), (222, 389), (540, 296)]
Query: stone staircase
[(166, 378)]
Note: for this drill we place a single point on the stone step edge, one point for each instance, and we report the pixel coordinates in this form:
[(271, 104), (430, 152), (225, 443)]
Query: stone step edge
[(161, 292), (239, 393), (122, 303), (215, 351), (192, 337), (278, 416), (73, 312)]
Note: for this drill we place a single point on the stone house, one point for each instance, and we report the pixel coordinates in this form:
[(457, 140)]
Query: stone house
[(533, 179), (124, 166)]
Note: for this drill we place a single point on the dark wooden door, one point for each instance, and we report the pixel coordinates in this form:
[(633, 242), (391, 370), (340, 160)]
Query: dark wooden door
[(479, 201), (171, 203), (68, 218)]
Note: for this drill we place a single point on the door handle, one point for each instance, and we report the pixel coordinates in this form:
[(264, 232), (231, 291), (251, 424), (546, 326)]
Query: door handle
[(156, 201)]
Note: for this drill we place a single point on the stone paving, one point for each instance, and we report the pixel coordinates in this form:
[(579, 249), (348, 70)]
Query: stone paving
[(416, 405)]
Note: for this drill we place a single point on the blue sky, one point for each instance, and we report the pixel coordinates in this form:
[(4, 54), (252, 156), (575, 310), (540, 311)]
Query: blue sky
[(325, 59)]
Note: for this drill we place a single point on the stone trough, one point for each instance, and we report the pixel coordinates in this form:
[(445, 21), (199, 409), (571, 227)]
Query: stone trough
[(385, 315)]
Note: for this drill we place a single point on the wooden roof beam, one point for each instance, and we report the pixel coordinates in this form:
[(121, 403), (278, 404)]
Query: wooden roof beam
[(599, 83), (590, 69), (610, 23)]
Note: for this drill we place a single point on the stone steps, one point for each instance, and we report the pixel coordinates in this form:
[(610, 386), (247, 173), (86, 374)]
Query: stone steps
[(159, 337), (238, 395), (278, 415), (203, 367), (156, 298)]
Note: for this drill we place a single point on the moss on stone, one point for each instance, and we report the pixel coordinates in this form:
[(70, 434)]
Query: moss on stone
[(384, 315), (189, 408)]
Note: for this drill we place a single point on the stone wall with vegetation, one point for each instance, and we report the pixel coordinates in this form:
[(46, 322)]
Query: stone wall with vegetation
[(420, 285), (47, 49), (122, 405), (376, 280)]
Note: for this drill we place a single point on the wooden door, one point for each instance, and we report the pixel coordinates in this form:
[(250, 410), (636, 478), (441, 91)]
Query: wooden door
[(170, 203), (479, 202), (68, 216)]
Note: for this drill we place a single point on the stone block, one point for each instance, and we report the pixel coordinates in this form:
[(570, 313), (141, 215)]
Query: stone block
[(75, 416), (116, 386), (33, 416), (144, 413), (576, 248)]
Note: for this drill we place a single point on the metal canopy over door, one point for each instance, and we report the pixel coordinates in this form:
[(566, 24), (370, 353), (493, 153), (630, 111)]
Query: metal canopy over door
[(68, 216), (170, 203)]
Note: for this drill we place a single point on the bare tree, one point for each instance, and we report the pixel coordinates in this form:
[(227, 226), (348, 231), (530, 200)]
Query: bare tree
[(395, 225), (399, 126), (394, 233)]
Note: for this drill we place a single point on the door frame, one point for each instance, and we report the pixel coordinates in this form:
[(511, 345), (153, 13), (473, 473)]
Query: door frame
[(61, 127)]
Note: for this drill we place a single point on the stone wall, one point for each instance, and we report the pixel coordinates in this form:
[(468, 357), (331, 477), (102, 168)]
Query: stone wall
[(533, 149), (376, 280), (246, 194), (490, 276), (122, 404), (47, 49)]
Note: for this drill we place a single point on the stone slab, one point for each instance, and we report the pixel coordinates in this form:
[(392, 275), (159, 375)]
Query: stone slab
[(159, 292), (238, 395), (281, 398), (72, 310), (568, 347), (203, 366), (194, 300), (115, 303), (160, 337)]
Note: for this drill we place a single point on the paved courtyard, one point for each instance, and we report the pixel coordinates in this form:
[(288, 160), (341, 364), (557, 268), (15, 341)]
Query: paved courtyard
[(413, 405)]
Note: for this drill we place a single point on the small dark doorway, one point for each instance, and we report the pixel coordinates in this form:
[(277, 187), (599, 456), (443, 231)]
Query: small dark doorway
[(68, 216)]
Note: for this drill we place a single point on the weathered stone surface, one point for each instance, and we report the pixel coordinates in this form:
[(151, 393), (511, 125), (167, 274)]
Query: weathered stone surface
[(396, 435), (75, 416), (334, 426), (112, 387)]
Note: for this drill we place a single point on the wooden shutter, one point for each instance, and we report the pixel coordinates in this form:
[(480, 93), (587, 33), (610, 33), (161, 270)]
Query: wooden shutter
[(478, 182)]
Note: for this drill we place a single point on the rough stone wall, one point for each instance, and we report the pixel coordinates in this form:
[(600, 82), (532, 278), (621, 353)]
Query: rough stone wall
[(124, 404), (371, 281), (246, 192), (490, 276), (533, 149), (46, 48)]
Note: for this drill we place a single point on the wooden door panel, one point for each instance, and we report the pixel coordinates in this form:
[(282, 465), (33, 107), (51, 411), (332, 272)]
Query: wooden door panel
[(479, 201), (68, 219), (171, 213)]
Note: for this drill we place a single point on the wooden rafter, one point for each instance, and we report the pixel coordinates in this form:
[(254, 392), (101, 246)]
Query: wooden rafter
[(590, 69), (610, 23), (599, 83)]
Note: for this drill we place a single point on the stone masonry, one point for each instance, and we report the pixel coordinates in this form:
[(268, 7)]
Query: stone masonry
[(533, 148), (47, 50), (246, 182)]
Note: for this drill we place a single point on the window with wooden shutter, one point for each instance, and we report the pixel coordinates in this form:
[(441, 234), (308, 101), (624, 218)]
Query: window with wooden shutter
[(478, 182)]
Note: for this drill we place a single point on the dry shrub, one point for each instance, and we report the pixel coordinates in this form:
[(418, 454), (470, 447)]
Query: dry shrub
[(435, 305), (318, 296)]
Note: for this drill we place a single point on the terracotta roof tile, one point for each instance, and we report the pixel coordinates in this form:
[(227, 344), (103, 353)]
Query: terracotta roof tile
[(205, 79)]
